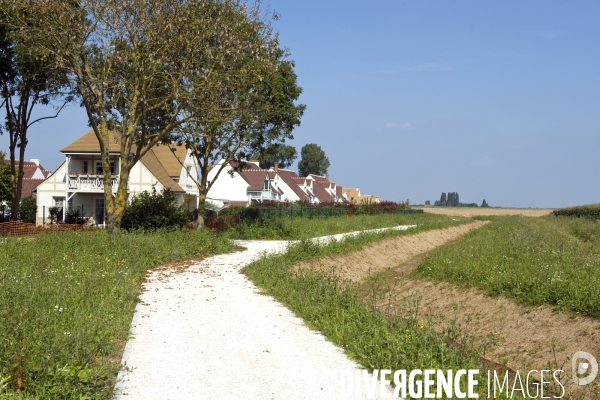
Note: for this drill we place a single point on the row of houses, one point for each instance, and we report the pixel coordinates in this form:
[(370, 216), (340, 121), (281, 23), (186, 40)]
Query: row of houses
[(78, 183)]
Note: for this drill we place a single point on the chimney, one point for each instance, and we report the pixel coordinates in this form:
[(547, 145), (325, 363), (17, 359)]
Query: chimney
[(276, 167), (36, 161), (327, 177)]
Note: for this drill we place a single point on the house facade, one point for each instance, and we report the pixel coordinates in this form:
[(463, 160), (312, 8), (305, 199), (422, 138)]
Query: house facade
[(79, 182), (242, 186)]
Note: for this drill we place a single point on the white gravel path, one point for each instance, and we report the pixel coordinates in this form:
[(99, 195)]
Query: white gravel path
[(208, 333)]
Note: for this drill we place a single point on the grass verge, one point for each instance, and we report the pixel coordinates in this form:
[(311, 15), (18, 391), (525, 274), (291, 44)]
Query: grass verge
[(66, 303), (548, 260), (304, 228), (374, 338)]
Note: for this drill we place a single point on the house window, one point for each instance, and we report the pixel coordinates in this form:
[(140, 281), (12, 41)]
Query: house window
[(98, 168), (58, 201), (112, 168), (267, 185), (85, 167)]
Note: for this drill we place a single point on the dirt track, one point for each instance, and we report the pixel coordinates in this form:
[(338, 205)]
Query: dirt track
[(522, 335), (381, 255)]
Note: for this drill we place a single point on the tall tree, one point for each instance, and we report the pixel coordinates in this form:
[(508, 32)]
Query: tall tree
[(253, 115), (313, 160), (27, 78), (5, 181), (281, 154), (138, 64)]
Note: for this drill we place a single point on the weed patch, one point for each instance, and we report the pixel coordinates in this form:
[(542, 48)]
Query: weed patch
[(548, 260), (66, 303)]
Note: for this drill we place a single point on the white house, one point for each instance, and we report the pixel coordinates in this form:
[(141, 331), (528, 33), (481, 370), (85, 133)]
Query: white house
[(79, 183), (241, 187)]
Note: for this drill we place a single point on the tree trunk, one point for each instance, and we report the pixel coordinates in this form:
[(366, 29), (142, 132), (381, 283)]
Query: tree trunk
[(201, 207), (18, 174), (114, 212)]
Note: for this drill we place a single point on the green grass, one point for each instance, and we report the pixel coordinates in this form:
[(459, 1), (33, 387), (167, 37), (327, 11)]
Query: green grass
[(303, 228), (66, 303), (548, 260), (374, 338)]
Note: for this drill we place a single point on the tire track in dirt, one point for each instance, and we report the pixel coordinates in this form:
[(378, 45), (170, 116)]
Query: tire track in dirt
[(387, 253)]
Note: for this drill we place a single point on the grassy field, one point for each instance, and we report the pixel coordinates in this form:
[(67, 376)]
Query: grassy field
[(375, 339), (480, 211), (549, 260), (66, 303), (304, 228), (67, 298), (546, 260)]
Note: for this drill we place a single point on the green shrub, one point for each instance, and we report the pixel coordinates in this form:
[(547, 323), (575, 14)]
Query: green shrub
[(28, 209), (152, 211), (586, 211)]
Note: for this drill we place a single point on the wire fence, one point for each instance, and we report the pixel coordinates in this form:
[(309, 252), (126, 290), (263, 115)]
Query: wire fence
[(21, 229)]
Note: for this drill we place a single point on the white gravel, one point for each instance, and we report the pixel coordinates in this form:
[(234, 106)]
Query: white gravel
[(208, 333)]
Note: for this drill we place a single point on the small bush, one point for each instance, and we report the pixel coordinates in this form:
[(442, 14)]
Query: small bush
[(586, 211), (152, 211), (28, 209)]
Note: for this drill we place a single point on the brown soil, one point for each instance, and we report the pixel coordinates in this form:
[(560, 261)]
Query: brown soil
[(510, 333), (379, 256), (471, 212)]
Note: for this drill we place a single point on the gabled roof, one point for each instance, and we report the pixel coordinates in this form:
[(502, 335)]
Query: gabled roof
[(88, 143), (33, 175), (321, 193), (154, 164), (288, 177), (160, 160), (172, 161), (254, 177)]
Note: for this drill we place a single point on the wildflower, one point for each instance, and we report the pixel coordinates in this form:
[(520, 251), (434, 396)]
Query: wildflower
[(421, 326)]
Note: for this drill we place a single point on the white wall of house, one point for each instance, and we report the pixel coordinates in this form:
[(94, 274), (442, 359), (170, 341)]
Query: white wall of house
[(189, 172), (288, 194), (49, 191), (226, 187), (52, 190)]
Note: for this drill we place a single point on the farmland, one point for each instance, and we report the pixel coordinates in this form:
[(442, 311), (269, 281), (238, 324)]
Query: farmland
[(518, 293)]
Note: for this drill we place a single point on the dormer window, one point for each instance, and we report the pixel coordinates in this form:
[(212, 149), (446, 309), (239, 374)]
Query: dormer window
[(267, 185)]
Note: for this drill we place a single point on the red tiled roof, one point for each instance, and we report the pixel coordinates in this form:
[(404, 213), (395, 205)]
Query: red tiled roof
[(254, 177), (29, 169), (321, 193), (289, 178)]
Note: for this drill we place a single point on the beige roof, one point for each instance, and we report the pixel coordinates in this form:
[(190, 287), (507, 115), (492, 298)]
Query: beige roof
[(170, 160), (156, 167), (88, 143), (160, 160)]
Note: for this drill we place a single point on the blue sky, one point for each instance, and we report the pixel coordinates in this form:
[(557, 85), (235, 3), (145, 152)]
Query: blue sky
[(494, 100)]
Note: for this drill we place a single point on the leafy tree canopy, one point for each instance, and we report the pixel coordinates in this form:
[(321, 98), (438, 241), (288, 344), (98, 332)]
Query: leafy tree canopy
[(313, 160), (281, 154)]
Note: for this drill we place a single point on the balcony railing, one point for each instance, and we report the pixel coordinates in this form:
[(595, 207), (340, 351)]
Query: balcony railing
[(94, 183)]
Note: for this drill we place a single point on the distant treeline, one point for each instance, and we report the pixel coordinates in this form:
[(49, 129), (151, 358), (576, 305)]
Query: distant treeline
[(586, 211), (452, 199)]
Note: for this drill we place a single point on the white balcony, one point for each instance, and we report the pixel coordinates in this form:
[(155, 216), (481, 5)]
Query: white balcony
[(90, 183)]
